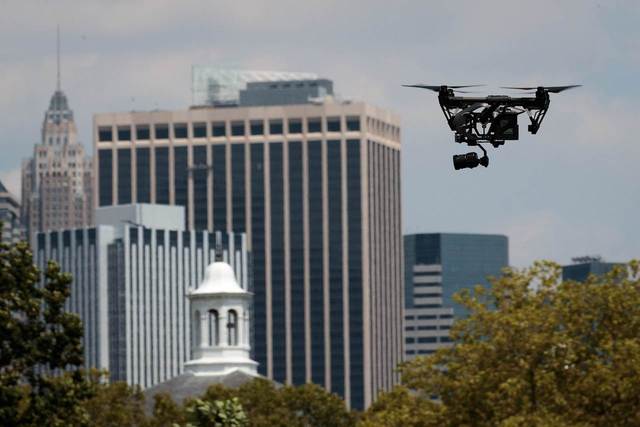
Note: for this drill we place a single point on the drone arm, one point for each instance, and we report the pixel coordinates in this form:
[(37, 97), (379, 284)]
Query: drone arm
[(536, 119)]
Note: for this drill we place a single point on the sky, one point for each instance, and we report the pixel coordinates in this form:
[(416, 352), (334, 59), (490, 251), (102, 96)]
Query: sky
[(573, 189)]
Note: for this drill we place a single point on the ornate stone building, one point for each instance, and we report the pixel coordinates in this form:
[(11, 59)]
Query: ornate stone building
[(57, 180)]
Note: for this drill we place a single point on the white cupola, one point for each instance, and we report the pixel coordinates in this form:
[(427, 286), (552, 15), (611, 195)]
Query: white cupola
[(220, 324)]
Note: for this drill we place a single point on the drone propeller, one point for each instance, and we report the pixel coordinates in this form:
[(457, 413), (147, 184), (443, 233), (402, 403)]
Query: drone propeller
[(552, 89), (437, 88)]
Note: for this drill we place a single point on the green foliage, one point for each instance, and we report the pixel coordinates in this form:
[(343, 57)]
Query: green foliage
[(311, 405), (267, 405), (219, 413), (115, 404), (166, 413), (535, 351), (38, 338), (401, 408)]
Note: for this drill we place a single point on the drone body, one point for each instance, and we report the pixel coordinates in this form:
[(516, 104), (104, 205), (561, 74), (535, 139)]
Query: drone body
[(491, 119)]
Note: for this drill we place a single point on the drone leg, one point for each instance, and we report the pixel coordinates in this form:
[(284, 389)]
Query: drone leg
[(484, 160)]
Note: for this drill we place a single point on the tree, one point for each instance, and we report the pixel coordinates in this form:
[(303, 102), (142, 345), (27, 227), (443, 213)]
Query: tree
[(311, 405), (116, 404), (268, 405), (219, 413), (38, 339), (402, 408), (537, 351), (166, 412)]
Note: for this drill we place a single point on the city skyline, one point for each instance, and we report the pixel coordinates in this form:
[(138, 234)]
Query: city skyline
[(550, 206), (316, 188)]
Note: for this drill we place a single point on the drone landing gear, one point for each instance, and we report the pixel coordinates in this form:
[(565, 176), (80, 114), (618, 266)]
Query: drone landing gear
[(470, 160)]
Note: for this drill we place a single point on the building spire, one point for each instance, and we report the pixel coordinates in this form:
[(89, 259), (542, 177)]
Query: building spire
[(58, 55)]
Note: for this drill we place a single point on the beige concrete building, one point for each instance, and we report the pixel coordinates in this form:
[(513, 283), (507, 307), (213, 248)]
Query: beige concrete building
[(315, 185), (57, 180)]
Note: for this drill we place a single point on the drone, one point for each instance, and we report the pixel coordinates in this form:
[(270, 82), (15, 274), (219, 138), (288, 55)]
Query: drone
[(491, 119)]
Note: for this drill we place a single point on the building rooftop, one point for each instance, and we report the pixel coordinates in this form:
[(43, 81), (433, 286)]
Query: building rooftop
[(189, 385), (215, 86)]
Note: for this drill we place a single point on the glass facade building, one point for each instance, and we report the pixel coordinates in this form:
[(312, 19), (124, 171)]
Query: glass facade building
[(437, 266), (316, 189), (580, 270)]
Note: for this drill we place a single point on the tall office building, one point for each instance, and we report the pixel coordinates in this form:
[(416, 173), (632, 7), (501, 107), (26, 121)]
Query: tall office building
[(131, 273), (57, 180), (12, 230), (584, 266), (316, 187), (436, 267)]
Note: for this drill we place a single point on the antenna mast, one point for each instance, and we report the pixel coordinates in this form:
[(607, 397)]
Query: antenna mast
[(58, 54)]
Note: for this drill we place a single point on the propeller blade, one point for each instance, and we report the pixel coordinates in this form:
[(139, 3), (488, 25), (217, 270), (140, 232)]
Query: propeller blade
[(558, 89), (518, 88), (466, 91), (430, 87), (437, 88), (552, 89)]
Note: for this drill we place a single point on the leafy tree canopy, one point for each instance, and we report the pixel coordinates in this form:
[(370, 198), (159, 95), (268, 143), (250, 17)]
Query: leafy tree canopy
[(538, 351), (38, 339)]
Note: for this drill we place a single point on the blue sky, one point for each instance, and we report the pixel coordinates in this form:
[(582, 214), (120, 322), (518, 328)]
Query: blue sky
[(572, 189)]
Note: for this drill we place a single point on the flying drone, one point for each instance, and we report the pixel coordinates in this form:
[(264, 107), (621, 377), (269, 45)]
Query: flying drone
[(491, 119)]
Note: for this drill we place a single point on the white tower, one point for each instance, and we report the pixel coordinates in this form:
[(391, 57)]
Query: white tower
[(220, 325)]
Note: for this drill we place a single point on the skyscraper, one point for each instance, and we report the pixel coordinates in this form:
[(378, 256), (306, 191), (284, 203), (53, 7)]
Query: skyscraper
[(57, 180), (438, 265), (316, 187)]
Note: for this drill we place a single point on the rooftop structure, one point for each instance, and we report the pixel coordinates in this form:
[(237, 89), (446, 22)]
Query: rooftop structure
[(221, 87)]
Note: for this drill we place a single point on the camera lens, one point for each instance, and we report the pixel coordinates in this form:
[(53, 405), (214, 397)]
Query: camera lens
[(469, 160), (462, 161)]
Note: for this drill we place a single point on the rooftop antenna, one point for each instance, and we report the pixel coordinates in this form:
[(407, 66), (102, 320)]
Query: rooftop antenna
[(58, 53)]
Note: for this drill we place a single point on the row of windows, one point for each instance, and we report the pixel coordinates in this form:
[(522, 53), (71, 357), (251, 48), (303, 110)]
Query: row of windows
[(427, 328), (427, 340), (233, 128), (429, 317)]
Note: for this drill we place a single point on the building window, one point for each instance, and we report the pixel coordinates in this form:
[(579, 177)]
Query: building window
[(124, 176), (124, 133), (427, 339), (314, 125), (180, 130), (143, 175), (333, 124), (214, 333), (353, 123), (105, 181), (162, 131), (162, 175), (199, 130), (237, 128), (104, 135), (218, 129), (232, 328), (142, 132), (295, 126), (257, 128), (275, 127)]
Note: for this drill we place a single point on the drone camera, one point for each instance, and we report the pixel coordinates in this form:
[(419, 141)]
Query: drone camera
[(469, 160)]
